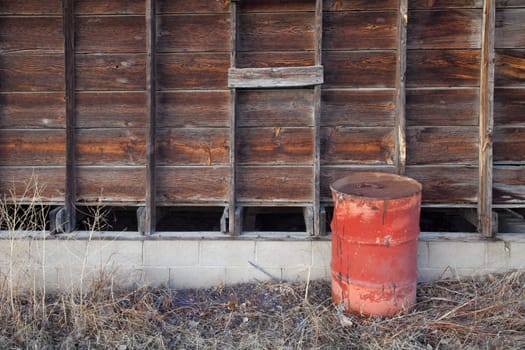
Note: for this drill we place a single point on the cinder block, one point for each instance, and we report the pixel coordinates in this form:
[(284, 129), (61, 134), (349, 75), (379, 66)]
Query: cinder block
[(106, 253), (297, 274), (196, 277), (321, 273), (498, 255), (58, 252), (517, 254), (171, 253), (321, 254), (250, 274), (226, 253), (432, 274), (457, 255), (156, 277), (284, 253), (14, 250), (422, 254)]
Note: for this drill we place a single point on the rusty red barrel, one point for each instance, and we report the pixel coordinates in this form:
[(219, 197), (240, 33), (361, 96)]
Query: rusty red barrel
[(375, 227)]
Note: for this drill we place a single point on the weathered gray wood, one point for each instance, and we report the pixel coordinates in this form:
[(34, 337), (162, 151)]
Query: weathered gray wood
[(316, 231), (150, 219), (69, 75), (234, 227), (486, 120), (400, 145), (275, 77)]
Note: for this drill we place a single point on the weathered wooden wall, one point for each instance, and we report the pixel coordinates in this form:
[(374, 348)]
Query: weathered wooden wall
[(275, 128)]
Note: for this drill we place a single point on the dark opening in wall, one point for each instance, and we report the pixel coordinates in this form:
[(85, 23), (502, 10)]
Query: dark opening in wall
[(189, 219), (121, 219), (277, 219), (445, 220), (22, 217)]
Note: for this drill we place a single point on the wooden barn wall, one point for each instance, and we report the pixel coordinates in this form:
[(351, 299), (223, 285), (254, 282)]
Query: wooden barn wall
[(274, 128)]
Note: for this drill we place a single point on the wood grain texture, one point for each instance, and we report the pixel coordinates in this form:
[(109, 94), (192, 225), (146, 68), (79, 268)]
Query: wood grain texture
[(446, 185), (193, 71), (442, 68), (192, 185), (276, 145), (357, 145), (359, 69), (509, 107), (111, 185), (110, 34), (193, 109), (442, 145), (450, 107), (31, 34), (274, 184), (103, 7), (509, 144), (193, 33), (110, 110), (275, 59), (290, 107), (277, 77), (32, 147), (508, 184), (203, 6), (111, 146), (22, 72), (31, 7), (367, 30), (32, 111), (349, 5), (110, 72), (49, 181), (510, 26), (449, 29), (276, 31), (276, 5), (444, 4), (201, 146), (509, 3), (510, 68)]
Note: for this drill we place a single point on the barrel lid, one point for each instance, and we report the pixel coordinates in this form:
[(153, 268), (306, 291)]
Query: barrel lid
[(376, 185)]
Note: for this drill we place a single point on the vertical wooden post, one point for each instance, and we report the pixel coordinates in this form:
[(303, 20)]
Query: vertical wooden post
[(400, 117), (318, 227), (486, 119), (234, 223), (68, 20), (151, 105)]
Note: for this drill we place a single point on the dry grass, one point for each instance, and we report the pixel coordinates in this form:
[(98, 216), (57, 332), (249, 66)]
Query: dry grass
[(488, 313)]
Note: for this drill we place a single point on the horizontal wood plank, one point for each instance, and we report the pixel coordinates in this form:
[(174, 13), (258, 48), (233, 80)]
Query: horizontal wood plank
[(22, 72), (110, 110), (203, 146), (275, 145), (21, 184), (192, 71), (450, 29), (275, 59), (359, 69), (509, 3), (508, 184), (357, 145), (32, 111), (442, 68), (509, 144), (111, 34), (359, 30), (442, 145), (31, 7), (190, 33), (509, 107), (32, 147), (104, 7), (510, 68), (349, 5), (259, 108), (193, 109), (357, 108), (31, 33), (190, 185), (444, 4), (274, 184), (446, 185), (275, 77), (510, 26), (99, 185), (202, 6), (276, 31), (111, 146), (276, 5), (447, 107), (110, 72)]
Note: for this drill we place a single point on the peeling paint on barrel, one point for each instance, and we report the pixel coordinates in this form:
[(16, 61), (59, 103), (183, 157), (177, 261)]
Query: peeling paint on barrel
[(374, 242)]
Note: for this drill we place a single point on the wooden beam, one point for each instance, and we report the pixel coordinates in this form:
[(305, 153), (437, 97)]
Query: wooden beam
[(234, 227), (486, 119), (317, 218), (68, 20), (400, 112), (275, 77), (151, 105)]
